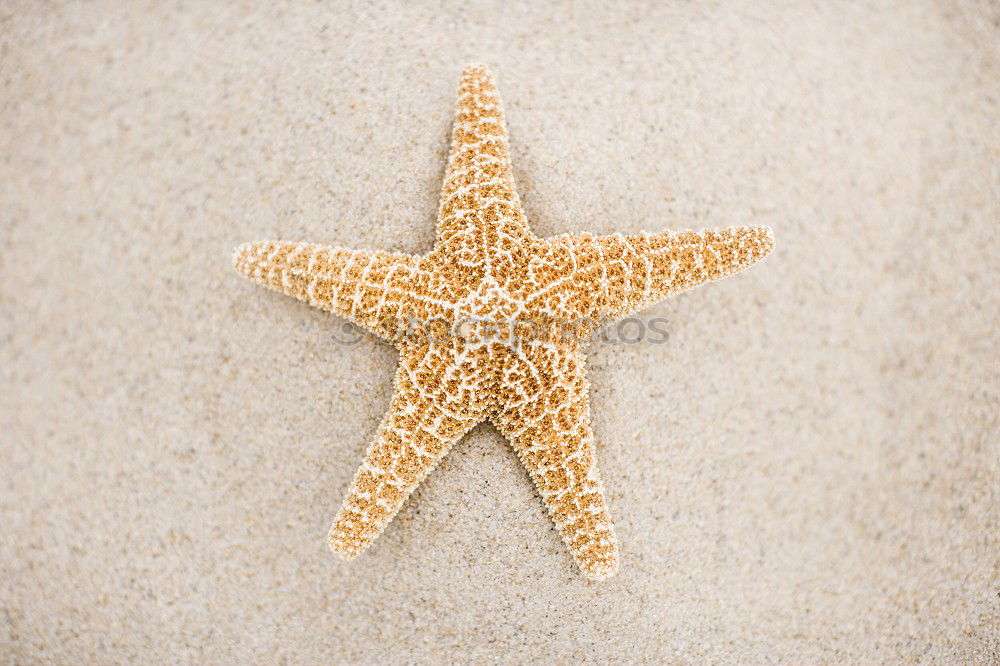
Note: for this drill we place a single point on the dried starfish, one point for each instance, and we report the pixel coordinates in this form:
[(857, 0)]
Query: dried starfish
[(491, 303)]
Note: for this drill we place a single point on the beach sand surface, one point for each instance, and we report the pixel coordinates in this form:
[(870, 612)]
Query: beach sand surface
[(808, 470)]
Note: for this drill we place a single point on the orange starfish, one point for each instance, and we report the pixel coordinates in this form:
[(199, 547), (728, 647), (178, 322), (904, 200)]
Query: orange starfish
[(492, 324)]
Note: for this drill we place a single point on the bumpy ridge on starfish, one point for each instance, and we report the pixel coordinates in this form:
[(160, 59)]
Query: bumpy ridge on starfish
[(492, 324)]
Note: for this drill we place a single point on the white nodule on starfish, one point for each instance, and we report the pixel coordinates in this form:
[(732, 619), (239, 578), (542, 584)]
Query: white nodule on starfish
[(442, 310)]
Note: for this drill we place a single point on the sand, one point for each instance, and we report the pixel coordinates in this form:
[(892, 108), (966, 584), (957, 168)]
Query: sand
[(808, 470)]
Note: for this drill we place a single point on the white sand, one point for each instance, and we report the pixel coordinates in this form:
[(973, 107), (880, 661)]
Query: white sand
[(807, 472)]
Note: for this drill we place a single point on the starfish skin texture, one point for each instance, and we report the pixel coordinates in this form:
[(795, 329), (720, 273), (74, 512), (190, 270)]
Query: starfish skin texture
[(511, 315)]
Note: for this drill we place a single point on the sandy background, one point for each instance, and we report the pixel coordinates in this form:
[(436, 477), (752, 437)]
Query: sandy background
[(809, 470)]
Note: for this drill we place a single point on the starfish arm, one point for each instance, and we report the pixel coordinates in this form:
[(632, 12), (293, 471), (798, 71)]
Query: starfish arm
[(376, 290), (479, 201), (548, 424), (428, 413), (615, 275)]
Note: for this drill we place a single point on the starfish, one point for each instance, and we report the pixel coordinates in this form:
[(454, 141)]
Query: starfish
[(492, 324)]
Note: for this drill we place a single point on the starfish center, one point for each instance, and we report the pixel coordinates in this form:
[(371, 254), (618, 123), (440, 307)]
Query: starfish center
[(488, 314)]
